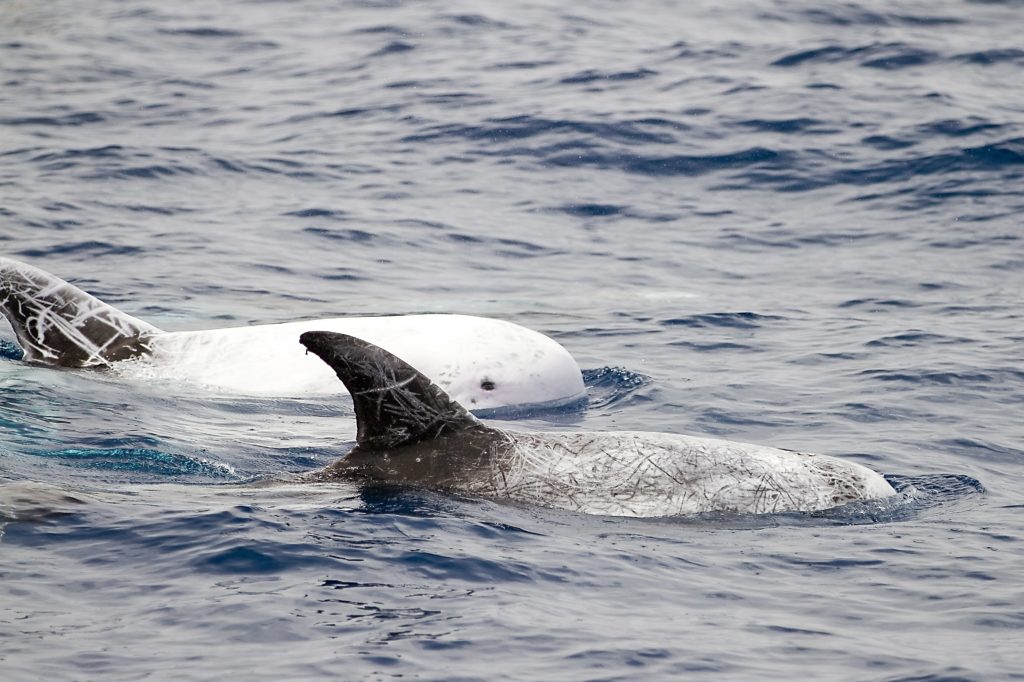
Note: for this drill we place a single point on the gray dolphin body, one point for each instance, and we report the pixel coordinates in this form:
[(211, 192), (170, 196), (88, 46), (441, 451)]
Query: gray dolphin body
[(410, 431)]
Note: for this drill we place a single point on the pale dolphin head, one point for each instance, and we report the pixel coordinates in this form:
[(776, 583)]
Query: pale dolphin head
[(548, 378), (506, 365)]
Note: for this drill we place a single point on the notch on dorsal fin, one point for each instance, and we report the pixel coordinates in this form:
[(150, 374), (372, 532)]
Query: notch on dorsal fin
[(59, 324), (395, 405)]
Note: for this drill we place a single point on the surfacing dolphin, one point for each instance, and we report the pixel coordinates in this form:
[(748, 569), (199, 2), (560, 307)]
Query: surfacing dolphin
[(489, 365), (410, 431)]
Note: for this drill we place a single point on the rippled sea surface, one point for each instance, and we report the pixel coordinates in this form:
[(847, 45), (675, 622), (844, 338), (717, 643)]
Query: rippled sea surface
[(783, 222)]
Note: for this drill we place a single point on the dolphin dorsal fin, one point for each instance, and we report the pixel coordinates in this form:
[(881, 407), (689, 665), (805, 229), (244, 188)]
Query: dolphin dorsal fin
[(59, 324), (395, 405)]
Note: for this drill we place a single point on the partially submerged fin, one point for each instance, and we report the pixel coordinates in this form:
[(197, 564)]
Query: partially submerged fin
[(59, 324), (395, 405)]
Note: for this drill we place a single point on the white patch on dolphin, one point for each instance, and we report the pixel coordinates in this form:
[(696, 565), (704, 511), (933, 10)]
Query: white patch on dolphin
[(487, 364), (410, 431)]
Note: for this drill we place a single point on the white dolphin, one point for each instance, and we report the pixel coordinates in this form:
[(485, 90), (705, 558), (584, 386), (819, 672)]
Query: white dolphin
[(489, 365)]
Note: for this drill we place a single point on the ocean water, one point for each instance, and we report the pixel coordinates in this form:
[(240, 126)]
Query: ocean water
[(781, 222)]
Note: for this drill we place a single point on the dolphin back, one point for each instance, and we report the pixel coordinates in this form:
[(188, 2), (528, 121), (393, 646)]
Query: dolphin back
[(59, 324), (395, 404)]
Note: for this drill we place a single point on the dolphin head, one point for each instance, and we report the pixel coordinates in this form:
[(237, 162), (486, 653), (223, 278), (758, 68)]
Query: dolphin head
[(505, 368), (494, 381)]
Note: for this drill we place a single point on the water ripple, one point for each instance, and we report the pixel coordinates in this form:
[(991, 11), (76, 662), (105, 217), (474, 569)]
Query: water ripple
[(525, 127), (95, 248), (886, 56), (608, 386), (74, 119), (140, 462), (592, 76), (742, 320)]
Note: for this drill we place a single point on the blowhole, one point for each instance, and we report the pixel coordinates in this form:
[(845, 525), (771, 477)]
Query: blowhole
[(487, 385)]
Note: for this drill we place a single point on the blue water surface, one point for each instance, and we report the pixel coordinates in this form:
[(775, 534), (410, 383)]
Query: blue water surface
[(787, 222)]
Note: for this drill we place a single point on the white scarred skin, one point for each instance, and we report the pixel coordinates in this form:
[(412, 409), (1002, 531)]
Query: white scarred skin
[(644, 474)]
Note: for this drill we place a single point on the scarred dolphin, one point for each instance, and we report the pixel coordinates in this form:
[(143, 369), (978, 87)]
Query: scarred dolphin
[(410, 431), (487, 364)]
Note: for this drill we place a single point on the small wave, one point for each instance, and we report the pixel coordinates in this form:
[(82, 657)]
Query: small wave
[(143, 208), (348, 112), (998, 240), (984, 450), (591, 75), (477, 21), (258, 557), (91, 248), (924, 376), (900, 58), (714, 347), (394, 47), (989, 157), (524, 65), (954, 127), (76, 119), (466, 568), (887, 143), (874, 303), (201, 32), (853, 15), (888, 56), (744, 320), (351, 235), (140, 461), (607, 386), (592, 210), (150, 172), (680, 164), (990, 57), (69, 158), (516, 248), (912, 339), (496, 130), (115, 162), (798, 125), (785, 173), (241, 559), (10, 350), (865, 413), (931, 490), (378, 30), (327, 213)]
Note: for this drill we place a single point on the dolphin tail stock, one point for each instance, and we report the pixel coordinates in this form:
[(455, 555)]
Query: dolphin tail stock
[(57, 323), (395, 404)]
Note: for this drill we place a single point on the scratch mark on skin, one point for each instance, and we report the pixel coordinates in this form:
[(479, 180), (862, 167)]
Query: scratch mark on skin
[(647, 474), (56, 322)]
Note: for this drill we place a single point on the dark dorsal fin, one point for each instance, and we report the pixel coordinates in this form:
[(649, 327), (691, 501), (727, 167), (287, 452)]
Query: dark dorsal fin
[(395, 405), (59, 324)]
